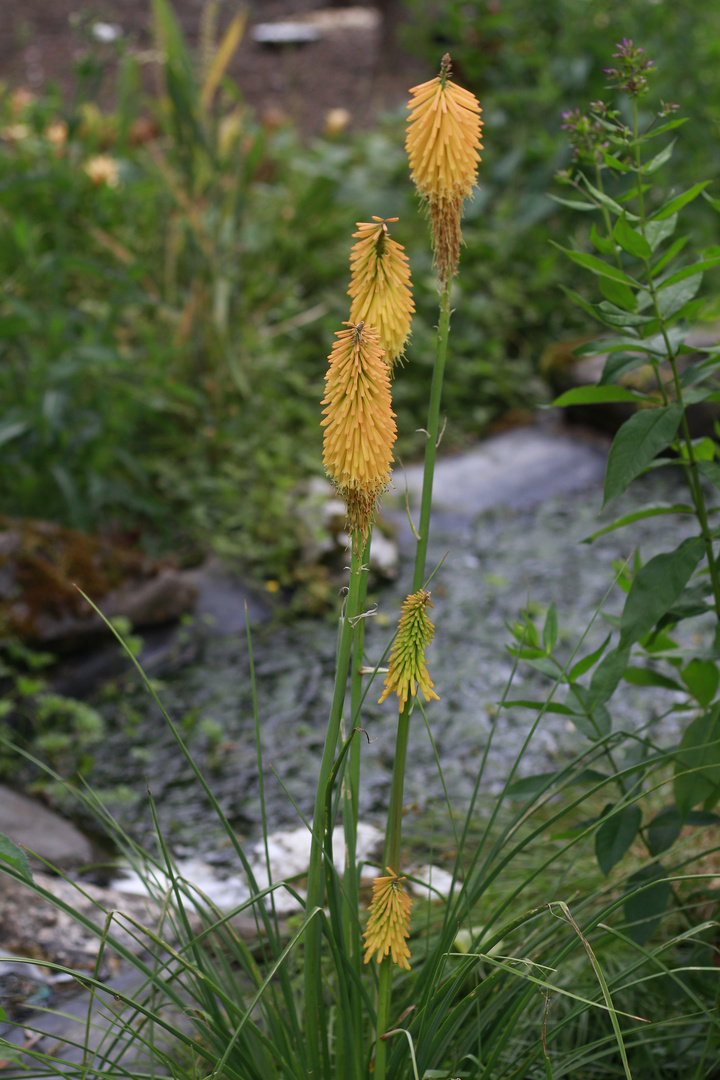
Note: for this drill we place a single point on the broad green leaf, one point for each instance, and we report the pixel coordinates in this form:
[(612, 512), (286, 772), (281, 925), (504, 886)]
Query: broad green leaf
[(605, 345), (690, 271), (574, 204), (657, 231), (15, 856), (583, 303), (664, 829), (669, 126), (545, 667), (607, 201), (675, 297), (550, 629), (673, 205), (650, 510), (703, 449), (615, 836), (617, 316), (638, 676), (636, 444), (697, 762), (591, 718), (597, 266), (615, 163), (603, 244), (644, 909), (659, 160), (631, 241), (656, 587), (596, 395), (544, 706), (667, 257), (715, 203), (618, 364), (588, 661), (606, 676), (618, 294), (701, 678)]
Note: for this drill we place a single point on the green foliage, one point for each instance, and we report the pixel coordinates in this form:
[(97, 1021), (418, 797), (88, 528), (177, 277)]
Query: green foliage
[(58, 729), (173, 273)]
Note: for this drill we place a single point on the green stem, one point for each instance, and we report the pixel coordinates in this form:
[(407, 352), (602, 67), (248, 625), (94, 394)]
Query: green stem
[(432, 438), (315, 886), (351, 794), (691, 470), (393, 835)]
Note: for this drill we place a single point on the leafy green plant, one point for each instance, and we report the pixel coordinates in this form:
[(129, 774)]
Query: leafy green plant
[(59, 729)]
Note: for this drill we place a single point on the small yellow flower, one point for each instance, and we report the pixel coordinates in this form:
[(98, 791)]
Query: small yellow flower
[(359, 422), (103, 169), (389, 923), (407, 669), (443, 140), (380, 286)]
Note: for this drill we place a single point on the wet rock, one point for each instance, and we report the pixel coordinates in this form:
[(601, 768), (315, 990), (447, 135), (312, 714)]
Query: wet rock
[(32, 826), (33, 926), (43, 567), (288, 856), (321, 517), (518, 469)]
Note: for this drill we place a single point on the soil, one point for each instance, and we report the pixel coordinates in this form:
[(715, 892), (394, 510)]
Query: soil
[(361, 70)]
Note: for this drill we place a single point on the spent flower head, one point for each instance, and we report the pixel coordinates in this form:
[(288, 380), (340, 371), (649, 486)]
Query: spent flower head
[(359, 422), (442, 143), (632, 71), (389, 924), (380, 286), (407, 669)]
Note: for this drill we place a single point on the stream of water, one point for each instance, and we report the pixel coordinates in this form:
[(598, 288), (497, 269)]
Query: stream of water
[(509, 520)]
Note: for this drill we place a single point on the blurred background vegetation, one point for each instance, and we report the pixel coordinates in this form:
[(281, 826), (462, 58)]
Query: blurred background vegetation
[(173, 268)]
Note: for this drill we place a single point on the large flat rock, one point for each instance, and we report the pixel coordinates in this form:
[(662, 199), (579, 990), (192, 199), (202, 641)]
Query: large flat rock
[(518, 468), (32, 826)]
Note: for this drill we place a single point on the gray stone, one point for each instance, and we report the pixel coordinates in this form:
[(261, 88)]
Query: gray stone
[(518, 469), (32, 826)]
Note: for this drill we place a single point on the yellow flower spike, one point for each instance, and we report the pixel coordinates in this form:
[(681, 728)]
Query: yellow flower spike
[(389, 923), (407, 669), (442, 143), (359, 422), (380, 286)]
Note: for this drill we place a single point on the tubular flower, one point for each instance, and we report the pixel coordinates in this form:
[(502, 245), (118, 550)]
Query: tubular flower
[(407, 669), (443, 139), (359, 422), (380, 285), (389, 922)]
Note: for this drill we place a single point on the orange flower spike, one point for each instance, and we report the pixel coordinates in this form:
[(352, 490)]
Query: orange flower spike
[(442, 143), (359, 422), (389, 924), (380, 285), (407, 669)]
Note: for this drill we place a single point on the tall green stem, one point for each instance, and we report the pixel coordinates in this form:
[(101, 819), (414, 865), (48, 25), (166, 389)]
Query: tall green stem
[(691, 469), (393, 836), (432, 437), (317, 1043)]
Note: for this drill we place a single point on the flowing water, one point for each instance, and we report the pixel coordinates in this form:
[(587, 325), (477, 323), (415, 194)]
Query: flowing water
[(509, 520)]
